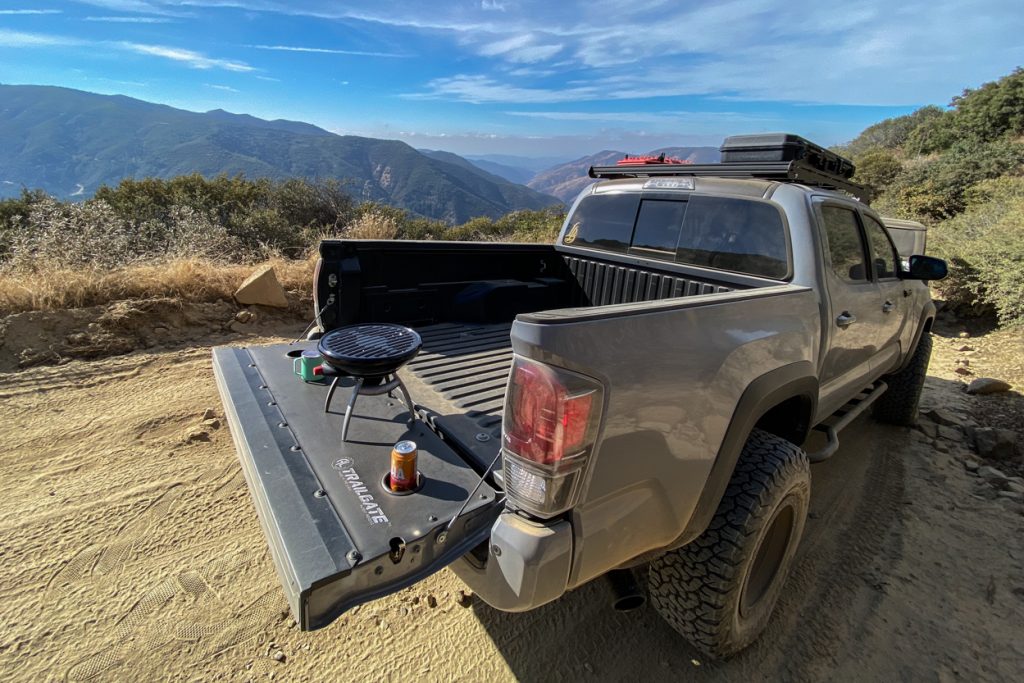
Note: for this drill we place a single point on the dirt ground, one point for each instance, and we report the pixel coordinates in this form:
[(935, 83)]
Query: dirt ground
[(129, 550)]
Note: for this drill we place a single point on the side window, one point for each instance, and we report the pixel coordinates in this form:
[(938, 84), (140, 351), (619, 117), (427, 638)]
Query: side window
[(845, 245), (603, 222), (657, 228), (882, 253)]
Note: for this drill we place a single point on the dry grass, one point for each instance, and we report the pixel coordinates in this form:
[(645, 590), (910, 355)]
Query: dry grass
[(373, 225), (188, 280)]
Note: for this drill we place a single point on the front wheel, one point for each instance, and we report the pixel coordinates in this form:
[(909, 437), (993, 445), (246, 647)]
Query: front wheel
[(898, 405), (719, 590)]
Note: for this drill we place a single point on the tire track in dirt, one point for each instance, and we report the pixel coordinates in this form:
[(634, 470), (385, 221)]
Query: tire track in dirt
[(129, 554)]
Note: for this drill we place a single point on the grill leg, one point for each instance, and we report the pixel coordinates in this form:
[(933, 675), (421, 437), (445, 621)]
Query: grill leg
[(330, 394), (348, 408), (407, 398)]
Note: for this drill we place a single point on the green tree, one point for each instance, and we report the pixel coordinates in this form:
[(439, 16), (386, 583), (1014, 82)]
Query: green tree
[(892, 133)]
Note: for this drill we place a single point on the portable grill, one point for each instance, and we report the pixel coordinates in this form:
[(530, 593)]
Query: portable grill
[(372, 354)]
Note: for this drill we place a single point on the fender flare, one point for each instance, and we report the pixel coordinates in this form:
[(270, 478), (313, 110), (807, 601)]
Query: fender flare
[(924, 323), (796, 380)]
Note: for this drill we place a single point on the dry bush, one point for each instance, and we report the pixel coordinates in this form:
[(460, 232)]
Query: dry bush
[(91, 235), (372, 225), (187, 280)]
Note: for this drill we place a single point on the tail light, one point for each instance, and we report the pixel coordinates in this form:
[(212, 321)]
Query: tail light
[(550, 424)]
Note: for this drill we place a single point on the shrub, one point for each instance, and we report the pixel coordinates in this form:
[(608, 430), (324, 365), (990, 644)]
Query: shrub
[(985, 249), (876, 169), (934, 188)]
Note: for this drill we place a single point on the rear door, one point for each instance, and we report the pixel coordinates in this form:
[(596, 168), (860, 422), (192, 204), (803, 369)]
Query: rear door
[(894, 304), (856, 313)]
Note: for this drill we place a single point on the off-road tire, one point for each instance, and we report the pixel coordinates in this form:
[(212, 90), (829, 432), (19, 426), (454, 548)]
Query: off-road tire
[(898, 405), (719, 590)]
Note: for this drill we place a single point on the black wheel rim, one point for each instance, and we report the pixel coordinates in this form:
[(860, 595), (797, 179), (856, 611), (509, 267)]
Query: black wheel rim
[(768, 560)]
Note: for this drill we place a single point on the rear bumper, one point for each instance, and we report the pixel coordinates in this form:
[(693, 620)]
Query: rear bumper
[(527, 564), (337, 537)]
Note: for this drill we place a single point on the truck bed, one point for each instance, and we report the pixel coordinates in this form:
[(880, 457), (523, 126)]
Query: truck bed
[(459, 379)]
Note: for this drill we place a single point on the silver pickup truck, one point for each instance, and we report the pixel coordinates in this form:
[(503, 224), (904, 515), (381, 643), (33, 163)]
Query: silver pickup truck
[(628, 402)]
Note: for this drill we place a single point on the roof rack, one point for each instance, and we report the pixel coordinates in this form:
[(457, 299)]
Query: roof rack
[(779, 171)]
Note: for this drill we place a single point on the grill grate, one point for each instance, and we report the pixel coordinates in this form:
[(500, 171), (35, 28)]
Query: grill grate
[(378, 347)]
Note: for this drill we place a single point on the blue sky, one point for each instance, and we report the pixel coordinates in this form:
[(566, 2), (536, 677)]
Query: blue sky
[(530, 78)]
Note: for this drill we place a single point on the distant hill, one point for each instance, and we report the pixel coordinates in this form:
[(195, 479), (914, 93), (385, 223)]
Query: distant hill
[(480, 167), (70, 142), (567, 180), (516, 174), (532, 164)]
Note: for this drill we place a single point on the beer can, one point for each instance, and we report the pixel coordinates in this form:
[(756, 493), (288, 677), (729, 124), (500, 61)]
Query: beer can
[(403, 466)]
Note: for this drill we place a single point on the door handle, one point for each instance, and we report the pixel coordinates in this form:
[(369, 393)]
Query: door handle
[(888, 306), (846, 319)]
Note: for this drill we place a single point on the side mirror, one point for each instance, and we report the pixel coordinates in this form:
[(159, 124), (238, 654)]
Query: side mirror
[(925, 268)]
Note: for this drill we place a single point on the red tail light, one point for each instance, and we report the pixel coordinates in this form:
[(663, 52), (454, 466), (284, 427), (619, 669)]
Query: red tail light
[(547, 424), (551, 418)]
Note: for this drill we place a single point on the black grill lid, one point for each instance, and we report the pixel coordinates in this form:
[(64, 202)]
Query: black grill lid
[(369, 350)]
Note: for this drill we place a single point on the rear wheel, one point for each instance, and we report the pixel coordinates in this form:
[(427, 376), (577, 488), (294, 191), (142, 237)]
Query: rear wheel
[(898, 405), (719, 590)]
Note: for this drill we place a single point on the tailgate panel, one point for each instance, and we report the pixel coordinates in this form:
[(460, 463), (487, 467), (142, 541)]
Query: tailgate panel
[(338, 537)]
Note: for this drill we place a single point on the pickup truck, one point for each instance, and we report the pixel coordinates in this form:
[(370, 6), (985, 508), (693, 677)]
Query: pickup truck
[(631, 401)]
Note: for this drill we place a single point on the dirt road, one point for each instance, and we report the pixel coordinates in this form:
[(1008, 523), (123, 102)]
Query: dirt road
[(129, 550)]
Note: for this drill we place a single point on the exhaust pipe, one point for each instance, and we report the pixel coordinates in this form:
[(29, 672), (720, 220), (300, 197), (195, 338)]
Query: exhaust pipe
[(627, 594)]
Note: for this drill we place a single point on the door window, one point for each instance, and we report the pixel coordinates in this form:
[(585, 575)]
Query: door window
[(845, 244), (883, 255)]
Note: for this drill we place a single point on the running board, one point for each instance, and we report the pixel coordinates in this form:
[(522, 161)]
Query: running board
[(847, 414)]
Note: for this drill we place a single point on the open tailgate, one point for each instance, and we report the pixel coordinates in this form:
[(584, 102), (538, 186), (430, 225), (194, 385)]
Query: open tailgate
[(338, 536)]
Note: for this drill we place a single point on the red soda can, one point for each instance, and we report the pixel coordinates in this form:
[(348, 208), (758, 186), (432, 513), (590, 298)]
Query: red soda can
[(403, 466)]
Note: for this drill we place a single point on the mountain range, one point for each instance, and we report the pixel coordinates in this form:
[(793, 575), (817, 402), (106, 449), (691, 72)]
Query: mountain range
[(565, 181), (69, 142)]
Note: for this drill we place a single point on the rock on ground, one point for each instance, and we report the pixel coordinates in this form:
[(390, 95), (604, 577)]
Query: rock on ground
[(987, 385), (995, 443), (263, 289)]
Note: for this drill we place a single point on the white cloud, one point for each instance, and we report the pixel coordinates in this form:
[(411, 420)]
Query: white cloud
[(325, 50), (195, 60), (141, 6), (10, 12), (869, 52), (131, 20), (481, 89), (506, 45), (225, 88), (634, 117), (21, 39)]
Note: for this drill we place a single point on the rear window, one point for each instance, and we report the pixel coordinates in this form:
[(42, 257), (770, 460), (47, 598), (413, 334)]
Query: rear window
[(603, 222), (727, 233)]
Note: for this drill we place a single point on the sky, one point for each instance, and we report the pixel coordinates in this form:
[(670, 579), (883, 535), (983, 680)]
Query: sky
[(554, 78)]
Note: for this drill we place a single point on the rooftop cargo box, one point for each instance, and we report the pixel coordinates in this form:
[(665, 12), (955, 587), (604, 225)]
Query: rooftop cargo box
[(784, 147)]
